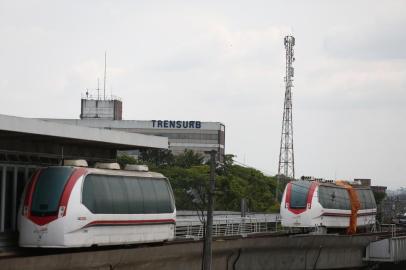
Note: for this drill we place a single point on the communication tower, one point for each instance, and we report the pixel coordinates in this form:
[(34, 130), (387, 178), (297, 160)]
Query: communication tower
[(286, 166)]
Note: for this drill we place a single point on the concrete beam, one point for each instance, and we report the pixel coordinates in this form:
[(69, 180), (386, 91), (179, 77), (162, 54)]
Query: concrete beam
[(44, 128)]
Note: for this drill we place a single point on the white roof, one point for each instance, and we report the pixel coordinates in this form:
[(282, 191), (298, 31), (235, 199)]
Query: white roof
[(46, 128)]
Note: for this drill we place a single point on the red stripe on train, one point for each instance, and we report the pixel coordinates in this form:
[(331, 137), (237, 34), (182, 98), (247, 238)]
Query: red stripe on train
[(69, 186), (347, 215), (30, 189), (129, 222)]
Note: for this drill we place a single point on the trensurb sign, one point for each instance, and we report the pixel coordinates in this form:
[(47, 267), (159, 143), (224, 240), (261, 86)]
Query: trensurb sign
[(176, 124)]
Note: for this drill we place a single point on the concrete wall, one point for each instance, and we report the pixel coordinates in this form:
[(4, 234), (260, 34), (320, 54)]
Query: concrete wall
[(295, 252)]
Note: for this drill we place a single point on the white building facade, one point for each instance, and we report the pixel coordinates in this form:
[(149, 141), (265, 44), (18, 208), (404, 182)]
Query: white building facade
[(194, 135)]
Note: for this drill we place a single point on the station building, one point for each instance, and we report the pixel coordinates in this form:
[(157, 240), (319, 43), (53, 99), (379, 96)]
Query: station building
[(26, 144), (194, 135)]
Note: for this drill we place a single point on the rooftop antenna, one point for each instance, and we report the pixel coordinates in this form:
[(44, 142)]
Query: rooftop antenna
[(105, 67), (98, 89)]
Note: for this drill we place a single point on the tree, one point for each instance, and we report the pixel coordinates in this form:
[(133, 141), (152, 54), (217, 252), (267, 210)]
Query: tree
[(124, 159), (189, 185), (157, 157), (188, 159)]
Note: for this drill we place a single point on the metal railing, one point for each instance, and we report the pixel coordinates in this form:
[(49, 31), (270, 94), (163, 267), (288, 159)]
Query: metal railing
[(388, 228), (95, 96), (226, 227)]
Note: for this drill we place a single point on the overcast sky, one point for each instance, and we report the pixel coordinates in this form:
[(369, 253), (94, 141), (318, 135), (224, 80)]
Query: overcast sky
[(224, 61)]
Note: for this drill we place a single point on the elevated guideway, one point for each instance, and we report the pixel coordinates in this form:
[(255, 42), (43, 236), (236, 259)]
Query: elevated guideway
[(189, 226), (391, 249), (253, 252), (239, 243), (387, 250)]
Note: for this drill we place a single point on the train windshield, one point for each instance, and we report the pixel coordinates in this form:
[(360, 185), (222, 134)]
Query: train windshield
[(299, 191), (48, 190), (108, 194)]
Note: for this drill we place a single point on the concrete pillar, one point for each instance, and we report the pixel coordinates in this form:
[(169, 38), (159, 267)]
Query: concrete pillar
[(26, 175), (3, 198), (14, 201)]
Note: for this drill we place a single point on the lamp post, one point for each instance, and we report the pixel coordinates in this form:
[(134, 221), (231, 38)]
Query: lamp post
[(207, 254)]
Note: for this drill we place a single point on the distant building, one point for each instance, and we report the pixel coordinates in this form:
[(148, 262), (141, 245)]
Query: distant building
[(367, 182), (111, 109), (363, 181), (379, 189), (194, 135)]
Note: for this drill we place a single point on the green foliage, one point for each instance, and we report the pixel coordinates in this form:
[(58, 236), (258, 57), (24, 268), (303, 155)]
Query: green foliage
[(163, 158), (239, 182), (190, 179), (188, 159), (157, 157), (186, 180), (379, 196), (124, 159)]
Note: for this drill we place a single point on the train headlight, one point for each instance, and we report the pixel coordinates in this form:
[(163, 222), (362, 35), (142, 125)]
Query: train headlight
[(25, 211), (61, 211)]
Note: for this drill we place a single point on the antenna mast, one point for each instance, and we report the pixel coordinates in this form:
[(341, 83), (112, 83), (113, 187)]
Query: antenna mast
[(105, 67), (286, 156), (98, 89)]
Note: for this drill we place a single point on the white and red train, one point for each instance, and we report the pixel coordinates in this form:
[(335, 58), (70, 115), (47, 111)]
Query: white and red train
[(310, 204), (70, 206)]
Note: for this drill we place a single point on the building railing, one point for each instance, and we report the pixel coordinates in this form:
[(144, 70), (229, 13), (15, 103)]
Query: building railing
[(101, 97), (387, 228), (226, 227)]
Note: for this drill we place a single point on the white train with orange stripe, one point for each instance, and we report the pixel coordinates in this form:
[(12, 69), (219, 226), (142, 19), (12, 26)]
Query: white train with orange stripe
[(310, 204), (72, 206)]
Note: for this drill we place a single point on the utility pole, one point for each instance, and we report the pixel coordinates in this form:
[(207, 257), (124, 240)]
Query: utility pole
[(286, 166), (207, 255), (105, 69)]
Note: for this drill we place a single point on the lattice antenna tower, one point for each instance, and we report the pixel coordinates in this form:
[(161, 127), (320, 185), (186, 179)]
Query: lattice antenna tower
[(286, 155)]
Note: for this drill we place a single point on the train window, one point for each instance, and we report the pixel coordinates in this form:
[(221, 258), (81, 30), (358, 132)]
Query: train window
[(373, 202), (88, 197), (48, 190), (298, 198), (366, 198), (150, 198), (343, 199), (334, 198), (135, 196), (96, 194), (104, 194), (163, 197), (119, 194), (361, 198)]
